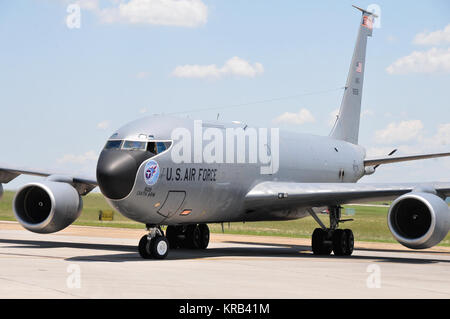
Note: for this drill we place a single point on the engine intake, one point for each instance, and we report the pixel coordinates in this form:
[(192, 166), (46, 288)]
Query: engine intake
[(47, 207), (419, 220)]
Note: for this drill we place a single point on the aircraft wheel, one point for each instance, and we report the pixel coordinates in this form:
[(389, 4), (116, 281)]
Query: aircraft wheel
[(350, 241), (319, 247), (172, 233), (340, 243), (193, 236), (204, 236), (159, 247), (144, 247)]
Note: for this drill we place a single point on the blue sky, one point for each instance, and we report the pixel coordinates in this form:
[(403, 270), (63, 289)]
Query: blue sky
[(65, 90)]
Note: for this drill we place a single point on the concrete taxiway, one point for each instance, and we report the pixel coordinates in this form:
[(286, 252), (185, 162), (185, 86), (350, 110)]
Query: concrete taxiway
[(96, 262)]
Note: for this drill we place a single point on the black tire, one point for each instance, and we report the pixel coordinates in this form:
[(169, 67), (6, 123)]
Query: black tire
[(340, 246), (159, 247), (193, 236), (172, 233), (350, 241), (144, 248), (204, 236), (319, 247)]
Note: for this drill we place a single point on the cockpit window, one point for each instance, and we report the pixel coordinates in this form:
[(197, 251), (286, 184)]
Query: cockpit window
[(134, 145), (158, 147), (152, 147), (113, 145)]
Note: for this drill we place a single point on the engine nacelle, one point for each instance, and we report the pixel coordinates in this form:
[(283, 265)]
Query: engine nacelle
[(47, 207), (419, 220)]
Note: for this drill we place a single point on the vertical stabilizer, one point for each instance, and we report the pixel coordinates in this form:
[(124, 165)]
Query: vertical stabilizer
[(346, 127)]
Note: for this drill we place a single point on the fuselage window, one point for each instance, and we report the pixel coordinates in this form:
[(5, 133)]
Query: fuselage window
[(113, 145), (134, 145)]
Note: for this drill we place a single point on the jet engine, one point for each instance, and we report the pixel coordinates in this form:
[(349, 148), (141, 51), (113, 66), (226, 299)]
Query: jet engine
[(47, 207), (419, 220)]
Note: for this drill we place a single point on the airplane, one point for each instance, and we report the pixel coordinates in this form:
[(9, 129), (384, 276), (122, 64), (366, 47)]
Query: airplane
[(153, 171)]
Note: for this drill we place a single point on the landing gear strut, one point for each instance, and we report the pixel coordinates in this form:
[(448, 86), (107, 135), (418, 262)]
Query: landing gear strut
[(325, 240), (154, 245)]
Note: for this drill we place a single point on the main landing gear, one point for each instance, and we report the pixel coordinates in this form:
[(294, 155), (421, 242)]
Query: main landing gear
[(156, 245), (325, 240)]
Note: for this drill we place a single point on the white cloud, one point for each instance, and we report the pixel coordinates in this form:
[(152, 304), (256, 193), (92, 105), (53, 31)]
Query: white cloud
[(103, 125), (234, 66), (402, 132), (433, 38), (185, 13), (442, 136), (85, 158), (432, 61), (303, 116)]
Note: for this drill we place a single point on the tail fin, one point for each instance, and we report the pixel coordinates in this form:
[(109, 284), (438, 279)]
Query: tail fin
[(347, 123)]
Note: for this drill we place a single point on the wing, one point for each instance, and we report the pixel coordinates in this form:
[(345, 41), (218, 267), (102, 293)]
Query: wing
[(81, 183), (268, 196)]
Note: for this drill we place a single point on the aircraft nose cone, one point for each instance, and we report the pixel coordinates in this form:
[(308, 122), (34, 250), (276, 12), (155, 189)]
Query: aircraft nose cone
[(116, 172)]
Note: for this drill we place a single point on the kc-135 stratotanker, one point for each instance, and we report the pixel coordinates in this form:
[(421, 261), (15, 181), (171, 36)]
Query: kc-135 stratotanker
[(177, 172)]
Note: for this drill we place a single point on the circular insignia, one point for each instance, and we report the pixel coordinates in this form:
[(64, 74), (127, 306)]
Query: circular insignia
[(151, 172)]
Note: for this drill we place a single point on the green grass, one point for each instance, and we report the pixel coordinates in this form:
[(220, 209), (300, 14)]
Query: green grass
[(369, 222)]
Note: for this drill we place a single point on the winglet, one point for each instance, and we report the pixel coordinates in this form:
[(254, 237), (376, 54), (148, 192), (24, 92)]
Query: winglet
[(365, 11)]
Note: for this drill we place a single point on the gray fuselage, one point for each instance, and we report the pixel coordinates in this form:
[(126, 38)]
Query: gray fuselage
[(202, 192)]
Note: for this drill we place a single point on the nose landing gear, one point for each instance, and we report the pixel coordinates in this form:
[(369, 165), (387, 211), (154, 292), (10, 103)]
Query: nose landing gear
[(325, 240), (154, 245)]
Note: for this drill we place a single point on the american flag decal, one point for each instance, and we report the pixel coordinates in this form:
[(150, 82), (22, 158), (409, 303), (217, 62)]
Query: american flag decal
[(359, 67), (368, 22)]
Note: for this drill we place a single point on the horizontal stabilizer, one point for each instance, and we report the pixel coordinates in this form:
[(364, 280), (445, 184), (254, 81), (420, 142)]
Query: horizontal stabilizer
[(365, 11), (392, 159)]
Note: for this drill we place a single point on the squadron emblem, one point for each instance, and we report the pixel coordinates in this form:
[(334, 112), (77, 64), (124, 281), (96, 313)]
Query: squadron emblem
[(151, 172)]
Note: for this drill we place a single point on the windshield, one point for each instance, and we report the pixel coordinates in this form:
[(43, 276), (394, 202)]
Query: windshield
[(113, 145), (134, 145), (153, 147)]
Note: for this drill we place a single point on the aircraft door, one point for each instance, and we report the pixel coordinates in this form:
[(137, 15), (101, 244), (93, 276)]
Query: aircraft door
[(172, 204)]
